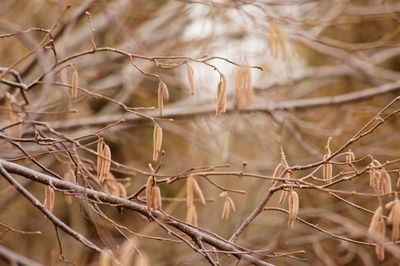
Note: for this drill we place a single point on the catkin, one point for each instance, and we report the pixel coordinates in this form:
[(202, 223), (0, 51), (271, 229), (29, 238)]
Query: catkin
[(149, 193), (379, 248), (350, 158), (49, 198), (244, 88), (386, 181), (74, 84), (157, 141), (394, 218), (277, 172), (103, 160), (231, 204), (277, 41), (192, 84), (221, 96), (225, 211), (189, 191), (293, 208), (157, 198), (283, 196), (373, 226), (197, 190), (162, 95), (191, 217)]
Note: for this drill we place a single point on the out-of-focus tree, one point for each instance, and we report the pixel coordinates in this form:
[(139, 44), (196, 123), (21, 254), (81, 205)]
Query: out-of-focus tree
[(199, 132)]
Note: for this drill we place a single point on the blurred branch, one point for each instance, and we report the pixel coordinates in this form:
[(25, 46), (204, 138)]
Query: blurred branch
[(14, 258)]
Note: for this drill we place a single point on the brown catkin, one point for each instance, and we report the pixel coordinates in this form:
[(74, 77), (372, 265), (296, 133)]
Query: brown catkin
[(74, 84), (191, 217), (160, 99), (244, 86), (100, 159), (231, 203), (199, 193), (157, 198), (189, 191), (277, 172), (192, 84), (49, 198), (394, 218), (386, 181), (350, 158), (398, 182), (283, 196), (221, 96), (149, 193), (107, 163), (293, 208), (379, 248), (103, 160), (372, 230), (225, 211), (277, 41), (157, 141), (122, 190), (327, 171)]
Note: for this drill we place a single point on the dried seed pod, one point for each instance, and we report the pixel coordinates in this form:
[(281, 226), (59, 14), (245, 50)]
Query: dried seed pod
[(293, 208), (49, 198), (189, 191), (157, 141), (149, 193), (74, 84), (283, 196), (199, 193), (221, 96), (226, 211), (192, 84), (157, 198)]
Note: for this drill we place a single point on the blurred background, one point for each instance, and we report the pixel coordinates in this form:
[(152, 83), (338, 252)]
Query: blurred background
[(309, 52)]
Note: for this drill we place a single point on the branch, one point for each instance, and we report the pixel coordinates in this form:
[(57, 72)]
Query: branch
[(104, 198), (185, 113), (57, 222)]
